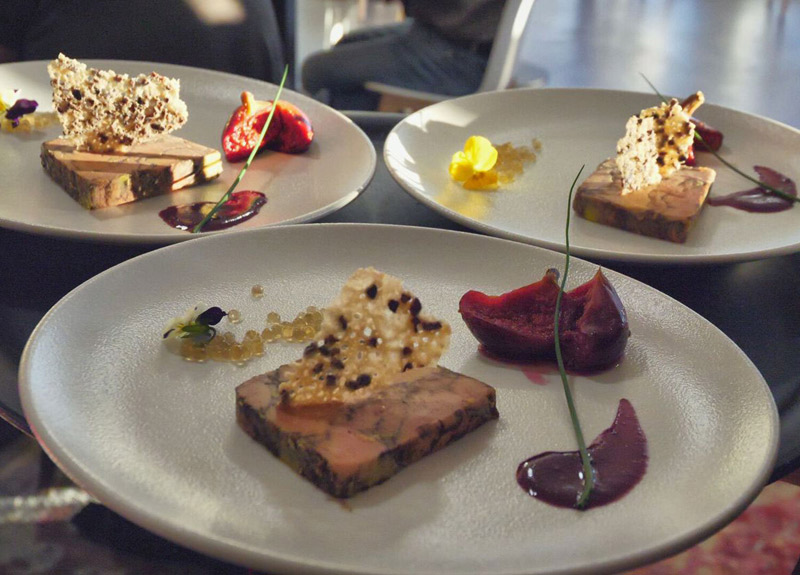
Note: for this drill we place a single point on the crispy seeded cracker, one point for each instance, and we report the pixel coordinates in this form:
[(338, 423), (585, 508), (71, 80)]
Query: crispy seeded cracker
[(656, 144), (373, 329), (102, 111)]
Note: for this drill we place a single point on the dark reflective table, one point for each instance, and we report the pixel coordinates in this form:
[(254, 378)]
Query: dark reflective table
[(754, 303)]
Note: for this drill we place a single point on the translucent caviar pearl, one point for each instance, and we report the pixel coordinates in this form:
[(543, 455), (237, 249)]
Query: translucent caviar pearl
[(249, 346), (214, 349), (257, 291), (258, 347), (234, 316), (187, 350), (247, 352), (196, 353), (276, 332), (185, 346), (273, 317)]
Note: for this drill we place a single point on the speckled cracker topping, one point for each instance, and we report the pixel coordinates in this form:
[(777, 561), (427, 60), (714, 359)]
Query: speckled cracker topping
[(657, 142), (102, 111), (373, 330)]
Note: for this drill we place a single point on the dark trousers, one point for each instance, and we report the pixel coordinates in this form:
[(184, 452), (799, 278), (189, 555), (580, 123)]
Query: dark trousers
[(407, 55)]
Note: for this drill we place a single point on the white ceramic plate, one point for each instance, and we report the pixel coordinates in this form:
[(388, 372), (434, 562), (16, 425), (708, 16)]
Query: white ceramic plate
[(154, 438), (299, 188), (579, 127)]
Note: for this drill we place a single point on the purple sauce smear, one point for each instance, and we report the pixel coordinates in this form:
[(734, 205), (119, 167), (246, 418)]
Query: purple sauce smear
[(239, 208), (760, 200), (619, 460)]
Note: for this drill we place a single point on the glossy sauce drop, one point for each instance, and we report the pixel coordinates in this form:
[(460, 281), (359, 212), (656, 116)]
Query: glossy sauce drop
[(240, 207), (535, 371), (619, 460), (534, 375), (759, 200)]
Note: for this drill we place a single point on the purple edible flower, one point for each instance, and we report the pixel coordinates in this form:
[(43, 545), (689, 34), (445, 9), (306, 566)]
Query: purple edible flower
[(212, 316), (21, 107), (195, 326)]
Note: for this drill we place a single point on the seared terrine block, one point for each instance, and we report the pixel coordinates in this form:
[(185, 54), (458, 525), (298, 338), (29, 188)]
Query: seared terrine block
[(666, 210), (346, 447), (101, 180)]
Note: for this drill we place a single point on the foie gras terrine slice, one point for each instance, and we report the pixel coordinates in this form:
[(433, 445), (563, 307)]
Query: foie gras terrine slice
[(156, 167), (346, 447), (666, 210)]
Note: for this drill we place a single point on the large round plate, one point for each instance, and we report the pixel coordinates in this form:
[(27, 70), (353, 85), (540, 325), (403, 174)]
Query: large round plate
[(299, 188), (154, 437), (579, 127)]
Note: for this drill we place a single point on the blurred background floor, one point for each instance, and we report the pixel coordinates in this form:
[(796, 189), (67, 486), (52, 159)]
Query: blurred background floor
[(735, 51)]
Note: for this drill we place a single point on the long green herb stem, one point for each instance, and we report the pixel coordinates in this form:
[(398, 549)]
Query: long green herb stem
[(778, 192), (227, 195), (588, 474)]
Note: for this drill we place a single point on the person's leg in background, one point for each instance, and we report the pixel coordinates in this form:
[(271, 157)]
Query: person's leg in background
[(407, 55)]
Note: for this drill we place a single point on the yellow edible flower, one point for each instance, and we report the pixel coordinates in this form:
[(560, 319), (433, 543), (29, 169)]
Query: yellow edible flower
[(482, 181), (7, 99), (479, 156)]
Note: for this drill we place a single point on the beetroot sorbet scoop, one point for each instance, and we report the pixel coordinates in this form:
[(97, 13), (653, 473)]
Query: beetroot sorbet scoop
[(519, 325)]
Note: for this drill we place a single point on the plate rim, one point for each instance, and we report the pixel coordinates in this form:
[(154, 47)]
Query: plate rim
[(584, 252), (249, 556), (117, 238)]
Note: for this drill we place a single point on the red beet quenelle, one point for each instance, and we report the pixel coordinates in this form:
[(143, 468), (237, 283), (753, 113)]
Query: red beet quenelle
[(709, 139), (290, 131), (519, 325)]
